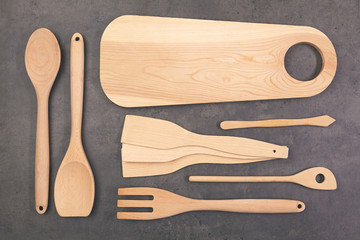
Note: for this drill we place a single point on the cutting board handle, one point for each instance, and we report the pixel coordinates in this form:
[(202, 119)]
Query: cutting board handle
[(323, 45)]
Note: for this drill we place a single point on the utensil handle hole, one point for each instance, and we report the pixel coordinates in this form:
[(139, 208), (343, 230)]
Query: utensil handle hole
[(299, 206), (303, 62), (320, 178), (77, 39)]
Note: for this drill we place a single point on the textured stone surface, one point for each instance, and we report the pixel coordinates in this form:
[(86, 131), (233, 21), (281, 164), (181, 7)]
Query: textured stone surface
[(329, 214)]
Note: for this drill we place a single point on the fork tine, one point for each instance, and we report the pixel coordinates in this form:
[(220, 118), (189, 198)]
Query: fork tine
[(135, 191), (134, 203), (136, 215)]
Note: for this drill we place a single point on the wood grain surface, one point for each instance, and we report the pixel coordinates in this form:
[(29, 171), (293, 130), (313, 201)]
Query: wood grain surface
[(152, 61)]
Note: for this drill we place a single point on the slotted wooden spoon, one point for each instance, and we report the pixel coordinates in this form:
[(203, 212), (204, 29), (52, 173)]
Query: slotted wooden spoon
[(74, 184), (166, 204), (42, 61), (319, 178)]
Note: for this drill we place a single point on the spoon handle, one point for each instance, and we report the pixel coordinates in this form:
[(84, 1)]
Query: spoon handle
[(239, 179), (77, 84), (42, 155)]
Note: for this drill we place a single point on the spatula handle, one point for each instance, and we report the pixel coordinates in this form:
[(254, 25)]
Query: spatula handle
[(249, 205), (42, 161), (320, 121), (77, 84)]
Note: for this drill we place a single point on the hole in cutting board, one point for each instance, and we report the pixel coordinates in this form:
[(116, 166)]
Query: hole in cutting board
[(320, 178), (303, 62)]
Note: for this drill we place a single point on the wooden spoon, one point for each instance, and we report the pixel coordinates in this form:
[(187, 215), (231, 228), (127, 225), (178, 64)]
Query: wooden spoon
[(319, 178), (74, 184), (42, 61)]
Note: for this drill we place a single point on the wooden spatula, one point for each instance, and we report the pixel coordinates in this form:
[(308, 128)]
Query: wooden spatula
[(132, 153), (42, 61), (142, 169), (321, 121), (162, 134), (319, 178), (166, 204), (74, 184)]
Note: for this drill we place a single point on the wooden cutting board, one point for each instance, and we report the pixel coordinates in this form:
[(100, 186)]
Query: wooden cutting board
[(153, 61)]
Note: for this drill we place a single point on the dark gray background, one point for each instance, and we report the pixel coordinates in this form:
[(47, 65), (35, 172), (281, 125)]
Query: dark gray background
[(329, 214)]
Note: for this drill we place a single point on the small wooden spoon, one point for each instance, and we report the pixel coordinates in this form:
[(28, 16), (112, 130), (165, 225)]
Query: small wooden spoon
[(42, 61), (319, 178), (74, 184)]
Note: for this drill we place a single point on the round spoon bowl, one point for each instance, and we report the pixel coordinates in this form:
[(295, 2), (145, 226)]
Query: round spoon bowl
[(42, 58)]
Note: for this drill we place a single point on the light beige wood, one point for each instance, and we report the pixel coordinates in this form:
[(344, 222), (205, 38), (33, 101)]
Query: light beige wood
[(306, 178), (132, 153), (166, 204), (42, 61), (74, 184), (152, 61), (162, 134), (143, 169), (321, 121)]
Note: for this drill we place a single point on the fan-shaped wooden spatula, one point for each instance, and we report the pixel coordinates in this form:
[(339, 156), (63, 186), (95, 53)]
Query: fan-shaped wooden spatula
[(74, 184), (162, 134), (142, 169), (132, 153)]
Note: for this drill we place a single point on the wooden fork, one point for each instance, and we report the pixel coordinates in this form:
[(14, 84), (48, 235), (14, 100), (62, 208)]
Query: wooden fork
[(166, 204)]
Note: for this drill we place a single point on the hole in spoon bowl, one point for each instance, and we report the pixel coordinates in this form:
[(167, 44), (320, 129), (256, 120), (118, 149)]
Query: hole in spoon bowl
[(320, 178)]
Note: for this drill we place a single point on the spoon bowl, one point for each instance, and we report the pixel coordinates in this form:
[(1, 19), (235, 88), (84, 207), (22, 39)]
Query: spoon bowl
[(42, 58), (316, 178)]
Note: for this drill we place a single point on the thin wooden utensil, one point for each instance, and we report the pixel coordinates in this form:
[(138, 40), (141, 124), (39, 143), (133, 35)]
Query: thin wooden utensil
[(166, 204), (321, 121), (162, 134), (74, 184), (132, 153), (42, 61), (319, 178), (142, 169)]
